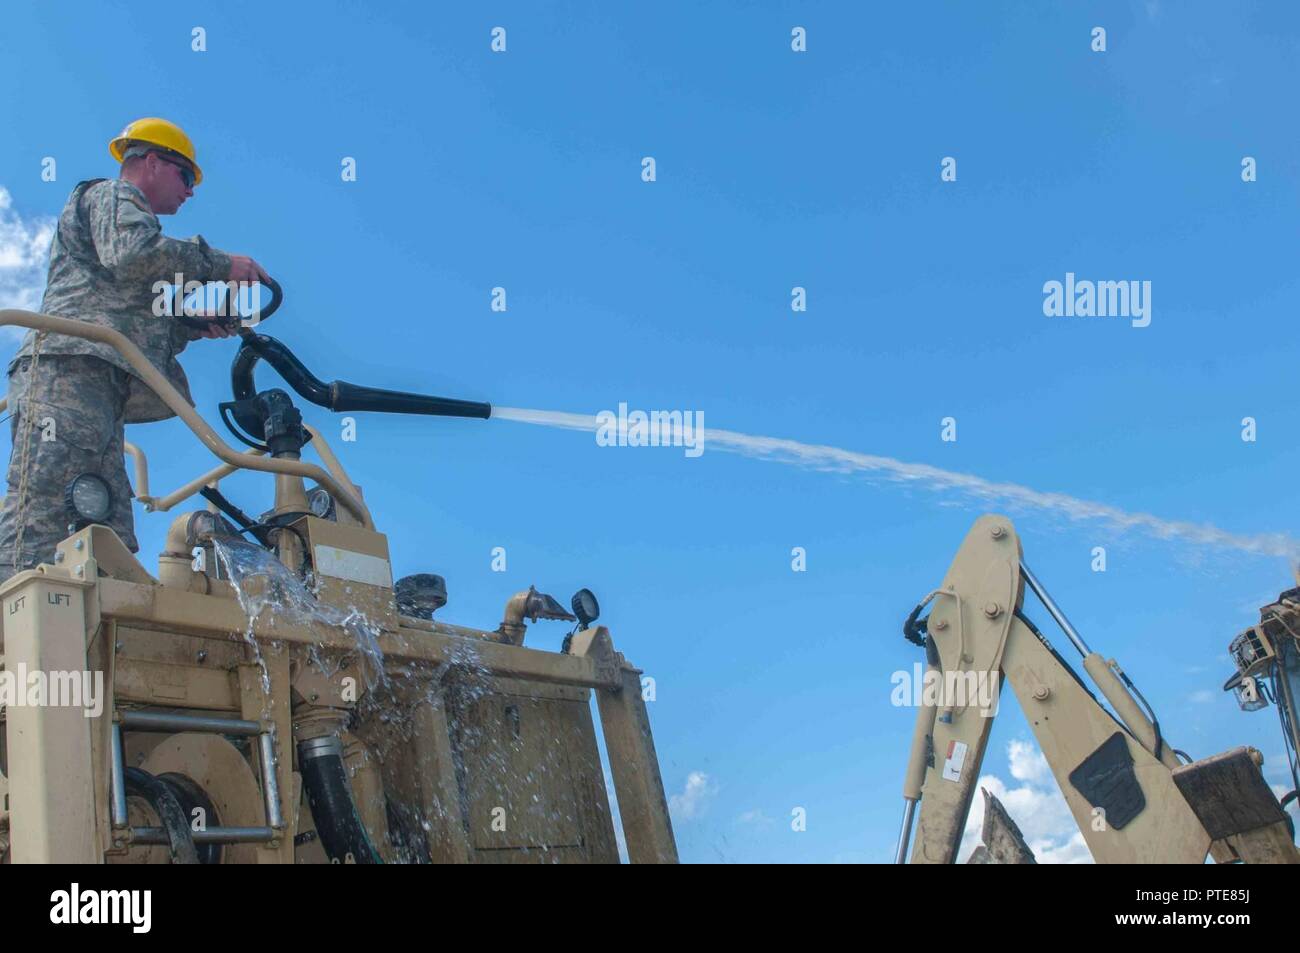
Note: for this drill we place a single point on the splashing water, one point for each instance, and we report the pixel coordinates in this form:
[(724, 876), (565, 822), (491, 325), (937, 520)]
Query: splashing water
[(837, 460), (488, 758), (264, 584)]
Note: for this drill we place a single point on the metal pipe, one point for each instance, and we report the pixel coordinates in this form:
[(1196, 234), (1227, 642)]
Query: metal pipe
[(1141, 699), (922, 732), (1054, 610), (164, 503), (160, 721), (326, 454), (211, 835), (178, 405), (529, 604), (166, 721), (270, 783), (1116, 691), (141, 471), (905, 836), (215, 475), (1119, 693), (119, 778)]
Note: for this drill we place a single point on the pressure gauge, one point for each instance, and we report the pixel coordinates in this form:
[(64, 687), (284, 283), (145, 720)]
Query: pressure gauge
[(89, 500), (321, 503)]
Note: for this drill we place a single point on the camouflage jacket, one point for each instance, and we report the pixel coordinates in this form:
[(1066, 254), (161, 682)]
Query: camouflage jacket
[(108, 254)]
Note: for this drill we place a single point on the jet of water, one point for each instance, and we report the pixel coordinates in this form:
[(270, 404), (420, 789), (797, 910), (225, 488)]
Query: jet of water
[(837, 460)]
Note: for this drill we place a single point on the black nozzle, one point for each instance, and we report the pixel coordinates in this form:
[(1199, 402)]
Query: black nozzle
[(338, 395), (345, 396)]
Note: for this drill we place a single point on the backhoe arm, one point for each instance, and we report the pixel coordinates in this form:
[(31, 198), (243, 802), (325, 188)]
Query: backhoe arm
[(1116, 777), (967, 632)]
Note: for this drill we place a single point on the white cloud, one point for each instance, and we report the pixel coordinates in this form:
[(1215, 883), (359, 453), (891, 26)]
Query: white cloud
[(1028, 763), (1036, 805), (1073, 851), (757, 817), (690, 804), (24, 258), (1202, 697), (1277, 766)]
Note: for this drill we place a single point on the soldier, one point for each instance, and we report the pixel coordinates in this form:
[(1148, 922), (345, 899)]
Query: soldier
[(70, 397)]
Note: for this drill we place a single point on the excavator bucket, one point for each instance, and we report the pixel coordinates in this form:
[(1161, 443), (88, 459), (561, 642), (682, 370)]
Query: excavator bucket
[(1230, 797), (1003, 842)]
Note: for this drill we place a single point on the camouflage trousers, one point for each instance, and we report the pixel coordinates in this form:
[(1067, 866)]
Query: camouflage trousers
[(75, 407)]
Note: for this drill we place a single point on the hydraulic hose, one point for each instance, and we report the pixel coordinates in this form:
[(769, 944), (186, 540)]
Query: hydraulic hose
[(342, 833), (175, 822)]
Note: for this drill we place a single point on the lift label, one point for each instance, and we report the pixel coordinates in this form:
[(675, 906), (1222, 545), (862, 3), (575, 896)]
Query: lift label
[(952, 765)]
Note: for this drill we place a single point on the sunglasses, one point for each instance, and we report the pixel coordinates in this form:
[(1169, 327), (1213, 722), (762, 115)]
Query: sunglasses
[(187, 174)]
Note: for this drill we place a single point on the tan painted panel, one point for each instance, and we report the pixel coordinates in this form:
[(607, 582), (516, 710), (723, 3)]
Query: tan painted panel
[(51, 789), (340, 575), (178, 686), (517, 774), (161, 645)]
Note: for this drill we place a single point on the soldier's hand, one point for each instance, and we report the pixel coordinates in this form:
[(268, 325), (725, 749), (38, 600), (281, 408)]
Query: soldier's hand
[(219, 327), (243, 268)]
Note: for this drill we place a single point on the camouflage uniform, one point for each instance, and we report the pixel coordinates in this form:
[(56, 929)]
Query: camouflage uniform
[(108, 255)]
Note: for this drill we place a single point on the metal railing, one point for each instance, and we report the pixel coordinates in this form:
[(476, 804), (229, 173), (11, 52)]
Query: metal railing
[(162, 721), (335, 480)]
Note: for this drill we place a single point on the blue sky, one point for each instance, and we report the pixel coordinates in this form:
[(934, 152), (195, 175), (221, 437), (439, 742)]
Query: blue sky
[(775, 169)]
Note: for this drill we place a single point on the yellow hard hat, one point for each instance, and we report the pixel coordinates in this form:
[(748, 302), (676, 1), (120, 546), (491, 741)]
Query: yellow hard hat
[(158, 132)]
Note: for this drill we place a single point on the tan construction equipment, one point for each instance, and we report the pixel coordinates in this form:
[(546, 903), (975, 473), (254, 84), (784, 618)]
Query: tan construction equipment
[(1267, 657), (1135, 797), (273, 695)]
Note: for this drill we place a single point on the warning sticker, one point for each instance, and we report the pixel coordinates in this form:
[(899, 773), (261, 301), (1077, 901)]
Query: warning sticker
[(952, 765)]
